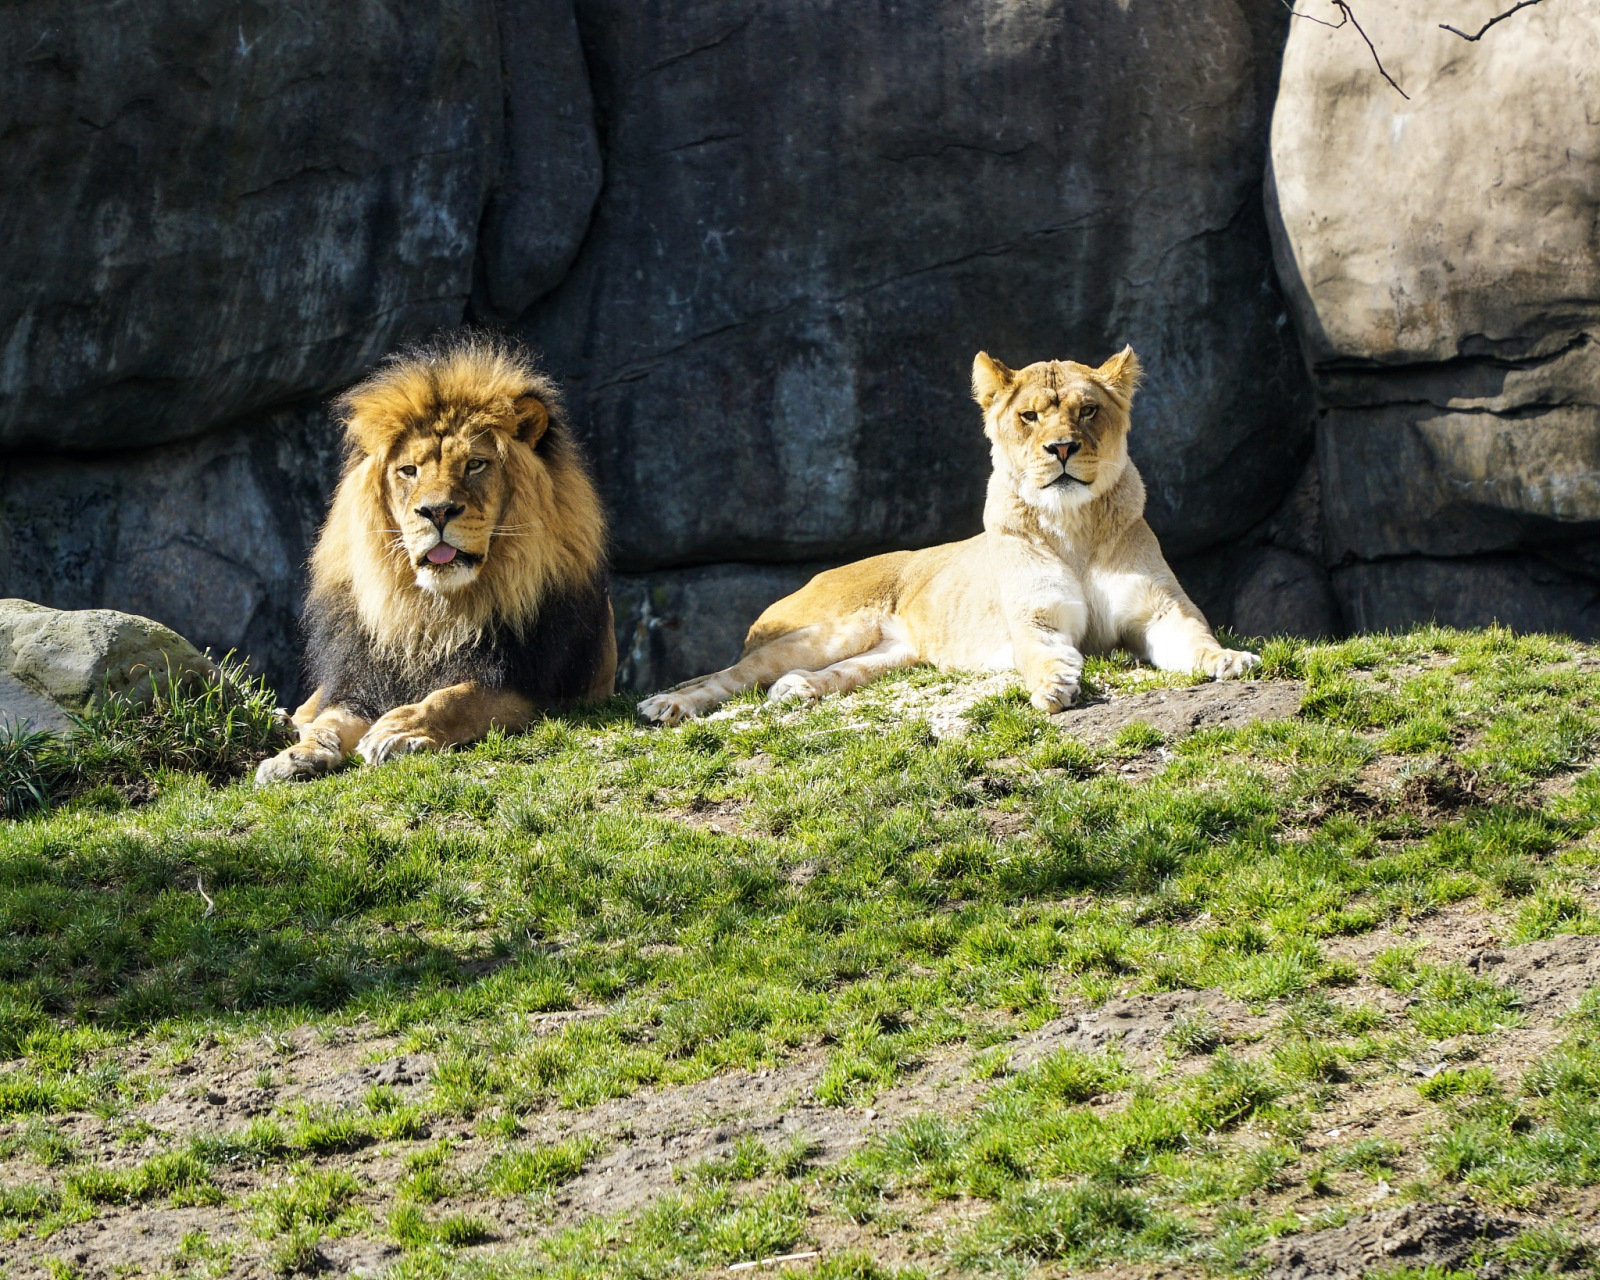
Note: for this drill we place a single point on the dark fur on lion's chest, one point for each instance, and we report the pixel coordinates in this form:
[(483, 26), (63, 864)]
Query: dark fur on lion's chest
[(552, 660)]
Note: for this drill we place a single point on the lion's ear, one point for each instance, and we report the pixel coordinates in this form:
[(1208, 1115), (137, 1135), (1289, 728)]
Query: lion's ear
[(989, 378), (1122, 371), (533, 419)]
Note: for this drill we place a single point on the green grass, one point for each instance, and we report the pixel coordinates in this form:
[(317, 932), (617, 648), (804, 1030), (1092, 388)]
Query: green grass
[(870, 896), (1510, 1148), (538, 1169), (216, 728)]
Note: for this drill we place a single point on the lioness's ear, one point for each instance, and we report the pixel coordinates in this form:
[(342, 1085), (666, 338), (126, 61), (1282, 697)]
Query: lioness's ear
[(532, 419), (989, 378), (1122, 371)]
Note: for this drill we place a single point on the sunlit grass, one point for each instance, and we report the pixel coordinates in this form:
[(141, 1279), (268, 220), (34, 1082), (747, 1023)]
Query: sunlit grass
[(871, 894)]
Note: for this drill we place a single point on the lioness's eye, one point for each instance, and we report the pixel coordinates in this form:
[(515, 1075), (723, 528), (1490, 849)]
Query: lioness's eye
[(1028, 415), (408, 471), (476, 465), (1088, 411)]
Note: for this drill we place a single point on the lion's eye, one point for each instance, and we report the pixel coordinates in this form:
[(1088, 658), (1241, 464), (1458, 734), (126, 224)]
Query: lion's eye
[(1028, 415), (408, 471), (476, 465), (1088, 411)]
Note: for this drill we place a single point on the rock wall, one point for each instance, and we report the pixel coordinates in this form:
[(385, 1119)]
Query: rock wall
[(760, 245), (1441, 256), (814, 216)]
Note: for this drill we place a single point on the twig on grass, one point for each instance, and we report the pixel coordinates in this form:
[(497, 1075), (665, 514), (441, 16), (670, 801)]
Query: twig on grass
[(772, 1262)]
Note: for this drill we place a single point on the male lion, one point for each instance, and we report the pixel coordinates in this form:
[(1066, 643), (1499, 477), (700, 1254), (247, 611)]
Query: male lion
[(460, 580), (1065, 565)]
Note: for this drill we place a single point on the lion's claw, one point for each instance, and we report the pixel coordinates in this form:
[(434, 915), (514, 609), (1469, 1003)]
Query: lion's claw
[(797, 686), (1229, 664), (1055, 696), (665, 709), (293, 765), (396, 733)]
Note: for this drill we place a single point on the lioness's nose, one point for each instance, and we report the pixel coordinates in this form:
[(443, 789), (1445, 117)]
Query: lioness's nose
[(1063, 449), (441, 513)]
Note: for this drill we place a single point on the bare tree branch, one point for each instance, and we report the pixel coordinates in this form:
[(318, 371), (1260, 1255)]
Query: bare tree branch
[(1348, 16), (1499, 17)]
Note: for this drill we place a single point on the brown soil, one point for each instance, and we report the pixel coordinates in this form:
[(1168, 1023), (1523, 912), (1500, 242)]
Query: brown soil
[(1177, 712), (1442, 1235)]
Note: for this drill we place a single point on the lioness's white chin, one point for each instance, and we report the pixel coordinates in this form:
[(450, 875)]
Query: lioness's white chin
[(1057, 496), (446, 579)]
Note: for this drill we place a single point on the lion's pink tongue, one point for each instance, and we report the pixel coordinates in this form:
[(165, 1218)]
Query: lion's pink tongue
[(444, 553)]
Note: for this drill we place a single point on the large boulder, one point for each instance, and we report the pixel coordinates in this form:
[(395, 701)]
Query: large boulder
[(815, 215), (54, 661), (212, 207), (1440, 255)]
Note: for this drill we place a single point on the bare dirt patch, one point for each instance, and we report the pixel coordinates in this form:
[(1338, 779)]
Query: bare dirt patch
[(1550, 976), (1442, 1235), (1137, 1025), (1178, 712)]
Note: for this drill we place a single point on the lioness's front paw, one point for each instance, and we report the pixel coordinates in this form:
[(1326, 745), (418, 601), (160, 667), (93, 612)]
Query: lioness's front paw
[(295, 764), (398, 732), (797, 686), (666, 709), (1055, 694), (1229, 664)]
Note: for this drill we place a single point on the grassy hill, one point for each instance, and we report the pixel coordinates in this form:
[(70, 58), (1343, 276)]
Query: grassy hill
[(917, 981)]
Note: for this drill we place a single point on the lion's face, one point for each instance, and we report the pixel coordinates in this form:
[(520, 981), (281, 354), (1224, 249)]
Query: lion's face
[(447, 489), (1060, 429)]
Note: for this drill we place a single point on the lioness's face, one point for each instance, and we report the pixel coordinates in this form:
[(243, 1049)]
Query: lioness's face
[(1060, 428), (448, 490)]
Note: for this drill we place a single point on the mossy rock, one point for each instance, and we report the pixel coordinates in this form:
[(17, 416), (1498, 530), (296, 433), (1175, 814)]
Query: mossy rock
[(54, 661)]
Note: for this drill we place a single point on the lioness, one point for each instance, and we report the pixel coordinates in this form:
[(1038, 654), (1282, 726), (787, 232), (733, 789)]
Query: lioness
[(460, 580), (1065, 565)]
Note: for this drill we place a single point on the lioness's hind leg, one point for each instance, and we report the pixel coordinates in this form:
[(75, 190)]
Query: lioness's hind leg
[(326, 738), (807, 648), (841, 677)]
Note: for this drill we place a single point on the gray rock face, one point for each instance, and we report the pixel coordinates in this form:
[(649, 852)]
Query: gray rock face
[(73, 658), (814, 216), (208, 535), (1525, 592), (550, 169), (1441, 260), (212, 207)]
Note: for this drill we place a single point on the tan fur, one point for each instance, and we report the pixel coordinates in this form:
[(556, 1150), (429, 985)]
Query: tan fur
[(1066, 565), (452, 427)]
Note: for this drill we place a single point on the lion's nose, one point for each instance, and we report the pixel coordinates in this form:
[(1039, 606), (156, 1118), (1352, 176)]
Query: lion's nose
[(440, 513), (1063, 449)]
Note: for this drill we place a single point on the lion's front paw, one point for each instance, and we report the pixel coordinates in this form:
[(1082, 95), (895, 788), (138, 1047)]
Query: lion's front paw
[(295, 764), (797, 686), (1057, 693), (1229, 664), (398, 732), (667, 709)]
